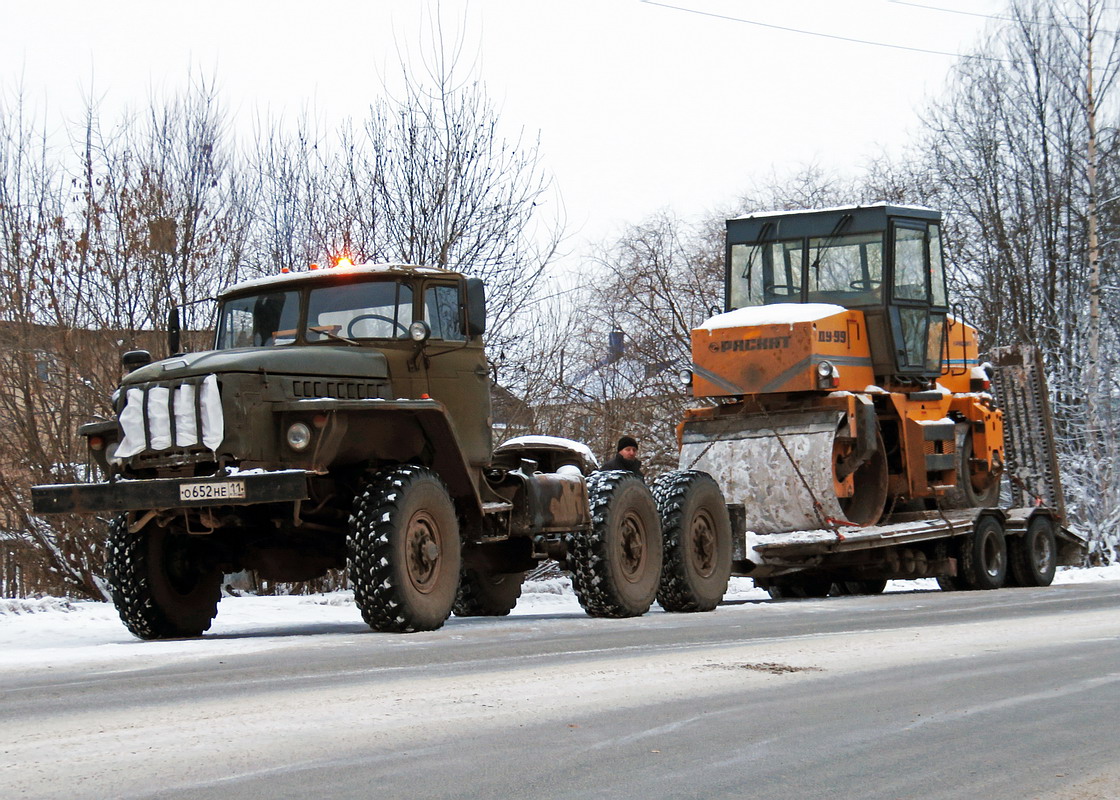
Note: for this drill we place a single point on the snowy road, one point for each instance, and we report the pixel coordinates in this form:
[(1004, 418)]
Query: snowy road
[(1007, 694)]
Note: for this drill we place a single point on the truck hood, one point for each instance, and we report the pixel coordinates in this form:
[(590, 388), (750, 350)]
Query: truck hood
[(323, 361)]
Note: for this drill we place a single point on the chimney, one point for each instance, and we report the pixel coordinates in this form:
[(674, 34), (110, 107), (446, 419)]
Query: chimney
[(616, 346)]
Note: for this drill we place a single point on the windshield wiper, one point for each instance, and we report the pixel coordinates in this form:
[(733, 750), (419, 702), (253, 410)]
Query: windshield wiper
[(326, 331)]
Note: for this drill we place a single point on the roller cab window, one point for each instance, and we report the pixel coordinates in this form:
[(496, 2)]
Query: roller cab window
[(766, 273), (846, 270)]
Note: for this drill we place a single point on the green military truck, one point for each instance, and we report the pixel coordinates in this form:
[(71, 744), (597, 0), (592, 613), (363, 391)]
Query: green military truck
[(342, 420)]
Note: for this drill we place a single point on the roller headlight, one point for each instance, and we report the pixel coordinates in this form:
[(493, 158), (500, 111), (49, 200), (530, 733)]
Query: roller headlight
[(828, 376)]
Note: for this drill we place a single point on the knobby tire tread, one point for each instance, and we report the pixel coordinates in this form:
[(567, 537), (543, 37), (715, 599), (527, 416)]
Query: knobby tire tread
[(128, 572), (675, 592), (588, 558), (377, 593)]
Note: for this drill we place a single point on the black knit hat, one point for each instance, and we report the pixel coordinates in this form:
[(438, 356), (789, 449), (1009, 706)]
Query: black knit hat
[(626, 441)]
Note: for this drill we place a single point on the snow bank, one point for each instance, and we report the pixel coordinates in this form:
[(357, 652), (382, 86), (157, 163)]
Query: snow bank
[(35, 605)]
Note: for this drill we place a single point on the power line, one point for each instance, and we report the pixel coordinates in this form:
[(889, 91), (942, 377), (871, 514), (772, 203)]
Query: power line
[(815, 33), (992, 16), (950, 10)]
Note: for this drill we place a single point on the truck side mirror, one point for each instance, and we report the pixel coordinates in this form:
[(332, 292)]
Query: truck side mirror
[(134, 359), (475, 308), (173, 331)]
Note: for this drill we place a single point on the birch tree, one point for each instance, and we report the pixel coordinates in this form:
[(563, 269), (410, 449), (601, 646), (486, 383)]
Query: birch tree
[(1022, 146)]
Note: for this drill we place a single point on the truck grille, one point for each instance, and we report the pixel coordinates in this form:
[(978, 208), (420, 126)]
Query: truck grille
[(182, 415), (342, 390)]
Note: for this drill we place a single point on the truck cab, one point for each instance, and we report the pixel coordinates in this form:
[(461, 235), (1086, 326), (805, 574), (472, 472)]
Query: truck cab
[(287, 350)]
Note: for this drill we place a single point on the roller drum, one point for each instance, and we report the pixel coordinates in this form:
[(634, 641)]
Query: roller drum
[(781, 468)]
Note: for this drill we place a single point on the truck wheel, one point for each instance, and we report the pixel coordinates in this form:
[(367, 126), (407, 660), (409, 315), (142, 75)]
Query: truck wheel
[(1032, 555), (616, 566), (404, 550), (697, 540), (162, 582), (487, 594), (983, 555)]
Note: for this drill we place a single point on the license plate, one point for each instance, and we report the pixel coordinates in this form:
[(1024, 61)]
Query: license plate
[(212, 490)]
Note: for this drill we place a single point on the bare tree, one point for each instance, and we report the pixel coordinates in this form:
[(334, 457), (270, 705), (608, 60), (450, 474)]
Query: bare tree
[(629, 336), (454, 192), (42, 392), (97, 241), (427, 177)]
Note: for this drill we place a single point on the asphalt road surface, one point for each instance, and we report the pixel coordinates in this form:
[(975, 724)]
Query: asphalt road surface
[(1009, 694)]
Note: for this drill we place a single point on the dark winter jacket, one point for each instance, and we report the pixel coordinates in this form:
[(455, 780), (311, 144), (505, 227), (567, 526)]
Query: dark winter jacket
[(629, 464)]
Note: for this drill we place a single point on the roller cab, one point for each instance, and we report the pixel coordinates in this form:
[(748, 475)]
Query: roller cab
[(839, 386)]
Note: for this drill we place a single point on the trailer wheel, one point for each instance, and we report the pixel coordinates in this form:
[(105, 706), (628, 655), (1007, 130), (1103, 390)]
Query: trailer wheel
[(616, 566), (870, 586), (1033, 555), (487, 594), (799, 588), (404, 550), (164, 583), (942, 550), (697, 534), (983, 555)]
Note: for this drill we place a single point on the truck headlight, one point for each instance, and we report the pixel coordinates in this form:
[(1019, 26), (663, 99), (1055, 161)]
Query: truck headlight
[(299, 436)]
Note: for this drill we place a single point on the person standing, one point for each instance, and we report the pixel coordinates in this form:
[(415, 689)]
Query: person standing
[(626, 457)]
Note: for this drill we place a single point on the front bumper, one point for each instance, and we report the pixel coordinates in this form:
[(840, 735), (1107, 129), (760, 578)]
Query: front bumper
[(238, 489)]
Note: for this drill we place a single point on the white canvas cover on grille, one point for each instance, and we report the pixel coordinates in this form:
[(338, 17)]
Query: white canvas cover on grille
[(160, 418)]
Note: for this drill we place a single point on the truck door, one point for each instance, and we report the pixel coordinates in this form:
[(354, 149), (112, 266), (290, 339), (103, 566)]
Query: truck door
[(917, 301), (457, 371)]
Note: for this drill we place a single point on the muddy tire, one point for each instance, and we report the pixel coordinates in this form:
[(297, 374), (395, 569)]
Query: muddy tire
[(404, 551), (697, 540), (983, 555), (164, 583), (1033, 555), (487, 594), (616, 566)]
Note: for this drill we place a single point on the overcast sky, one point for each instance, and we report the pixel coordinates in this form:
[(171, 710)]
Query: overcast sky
[(639, 106)]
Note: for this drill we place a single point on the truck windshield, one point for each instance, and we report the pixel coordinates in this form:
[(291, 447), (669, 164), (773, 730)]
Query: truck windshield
[(365, 310), (260, 320), (371, 310)]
